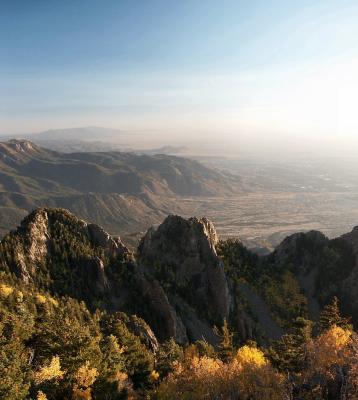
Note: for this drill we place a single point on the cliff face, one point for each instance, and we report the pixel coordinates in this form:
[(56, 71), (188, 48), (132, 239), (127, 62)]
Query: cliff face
[(31, 246), (181, 255), (349, 286), (184, 251), (160, 313), (300, 250)]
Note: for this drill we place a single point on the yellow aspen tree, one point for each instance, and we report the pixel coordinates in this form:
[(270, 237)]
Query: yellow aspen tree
[(84, 379), (257, 379), (52, 371)]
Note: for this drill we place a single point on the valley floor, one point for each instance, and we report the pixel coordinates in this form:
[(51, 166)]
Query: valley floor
[(264, 219)]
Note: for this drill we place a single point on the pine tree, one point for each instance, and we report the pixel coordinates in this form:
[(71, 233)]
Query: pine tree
[(226, 348), (330, 316), (139, 361), (112, 379), (169, 352), (14, 356), (205, 349), (288, 353)]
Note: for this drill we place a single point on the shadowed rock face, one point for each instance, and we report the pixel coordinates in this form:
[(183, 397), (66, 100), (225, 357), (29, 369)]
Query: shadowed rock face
[(181, 253), (30, 253), (300, 249), (96, 275), (324, 268), (113, 245), (352, 239), (350, 284), (162, 318), (34, 248)]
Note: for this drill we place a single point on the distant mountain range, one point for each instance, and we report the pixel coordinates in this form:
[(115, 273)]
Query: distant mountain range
[(92, 138), (87, 133), (119, 190)]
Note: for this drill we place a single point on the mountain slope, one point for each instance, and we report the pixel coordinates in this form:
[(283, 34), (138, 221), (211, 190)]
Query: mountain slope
[(324, 268), (183, 281), (114, 189), (177, 284)]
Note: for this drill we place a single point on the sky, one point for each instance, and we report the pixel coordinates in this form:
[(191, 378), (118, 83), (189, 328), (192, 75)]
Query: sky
[(253, 73)]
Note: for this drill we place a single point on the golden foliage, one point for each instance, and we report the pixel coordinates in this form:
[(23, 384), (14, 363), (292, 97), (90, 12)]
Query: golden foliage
[(248, 376), (41, 396), (40, 298), (53, 301), (196, 378), (122, 380), (251, 357), (256, 377), (52, 371), (154, 376), (5, 290), (352, 381), (19, 296), (327, 357), (261, 383), (84, 379), (328, 349)]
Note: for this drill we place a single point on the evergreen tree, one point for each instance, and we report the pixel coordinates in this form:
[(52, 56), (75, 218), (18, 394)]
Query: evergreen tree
[(14, 379), (111, 382), (168, 353), (330, 316), (205, 349), (289, 353), (226, 348), (75, 340), (139, 361), (15, 328)]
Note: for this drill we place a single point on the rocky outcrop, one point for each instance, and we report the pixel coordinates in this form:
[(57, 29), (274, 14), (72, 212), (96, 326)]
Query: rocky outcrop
[(352, 239), (181, 254), (300, 249), (324, 268), (141, 329), (96, 275), (34, 245), (261, 313), (113, 245), (162, 317), (177, 283), (185, 308), (350, 284), (31, 251)]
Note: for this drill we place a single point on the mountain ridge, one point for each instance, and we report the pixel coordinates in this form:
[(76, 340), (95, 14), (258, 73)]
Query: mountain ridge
[(115, 189), (188, 279)]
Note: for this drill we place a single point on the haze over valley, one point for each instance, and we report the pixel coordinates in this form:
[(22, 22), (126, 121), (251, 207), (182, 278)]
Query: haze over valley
[(257, 199)]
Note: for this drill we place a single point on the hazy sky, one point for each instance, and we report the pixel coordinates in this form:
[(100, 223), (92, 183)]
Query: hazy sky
[(243, 70)]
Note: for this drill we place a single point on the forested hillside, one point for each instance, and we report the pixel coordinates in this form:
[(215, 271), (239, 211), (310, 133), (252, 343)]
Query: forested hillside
[(186, 316)]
